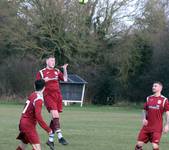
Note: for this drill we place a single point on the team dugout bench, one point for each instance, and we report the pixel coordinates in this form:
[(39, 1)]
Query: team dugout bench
[(73, 90)]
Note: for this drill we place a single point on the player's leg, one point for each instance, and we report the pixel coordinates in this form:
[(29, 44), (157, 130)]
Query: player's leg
[(36, 146), (156, 136), (21, 146), (59, 108), (55, 126), (33, 139), (23, 141), (143, 138), (54, 106), (55, 122), (155, 146), (139, 145), (50, 105)]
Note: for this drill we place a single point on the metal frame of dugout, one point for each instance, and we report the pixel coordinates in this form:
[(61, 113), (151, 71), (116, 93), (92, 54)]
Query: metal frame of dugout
[(73, 90)]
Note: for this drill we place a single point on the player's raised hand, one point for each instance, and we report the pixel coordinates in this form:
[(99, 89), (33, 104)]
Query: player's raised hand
[(50, 132), (166, 129), (64, 66), (145, 122)]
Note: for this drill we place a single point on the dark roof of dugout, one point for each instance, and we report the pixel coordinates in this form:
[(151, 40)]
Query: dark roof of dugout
[(74, 79)]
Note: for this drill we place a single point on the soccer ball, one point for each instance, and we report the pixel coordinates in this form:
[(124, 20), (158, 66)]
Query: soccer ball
[(83, 1)]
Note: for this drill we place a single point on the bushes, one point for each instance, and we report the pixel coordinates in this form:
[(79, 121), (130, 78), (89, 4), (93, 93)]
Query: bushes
[(17, 76)]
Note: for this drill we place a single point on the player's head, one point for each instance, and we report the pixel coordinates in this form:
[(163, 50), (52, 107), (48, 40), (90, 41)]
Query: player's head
[(39, 85), (157, 87), (50, 61)]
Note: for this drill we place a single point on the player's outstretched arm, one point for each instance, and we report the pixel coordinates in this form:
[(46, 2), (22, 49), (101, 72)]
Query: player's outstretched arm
[(39, 118), (65, 76)]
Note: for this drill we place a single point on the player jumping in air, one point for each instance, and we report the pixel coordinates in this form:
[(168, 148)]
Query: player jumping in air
[(153, 111), (53, 97), (30, 116)]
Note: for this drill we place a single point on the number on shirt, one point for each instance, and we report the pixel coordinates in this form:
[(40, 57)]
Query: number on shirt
[(26, 106)]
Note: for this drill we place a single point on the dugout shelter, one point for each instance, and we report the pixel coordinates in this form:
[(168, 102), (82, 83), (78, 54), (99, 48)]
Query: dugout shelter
[(73, 90)]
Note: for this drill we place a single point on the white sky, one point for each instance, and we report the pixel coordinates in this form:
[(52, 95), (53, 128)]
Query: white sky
[(132, 8)]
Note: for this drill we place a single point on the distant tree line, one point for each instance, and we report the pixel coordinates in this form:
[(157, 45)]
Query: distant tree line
[(120, 47)]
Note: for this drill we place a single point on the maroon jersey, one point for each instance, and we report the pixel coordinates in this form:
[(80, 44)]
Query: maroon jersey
[(155, 107), (32, 113), (53, 74)]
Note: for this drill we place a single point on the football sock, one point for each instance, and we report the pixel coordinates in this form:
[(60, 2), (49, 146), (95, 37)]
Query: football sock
[(59, 134), (156, 149), (52, 126), (55, 126), (51, 137), (138, 147), (19, 148), (56, 123)]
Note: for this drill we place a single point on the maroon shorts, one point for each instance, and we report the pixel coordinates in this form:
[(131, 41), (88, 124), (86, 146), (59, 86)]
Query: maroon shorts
[(53, 101), (146, 136), (28, 133)]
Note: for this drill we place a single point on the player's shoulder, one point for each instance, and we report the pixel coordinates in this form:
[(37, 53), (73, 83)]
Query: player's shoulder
[(56, 69), (150, 96), (38, 98), (43, 69), (31, 96), (163, 97), (164, 100)]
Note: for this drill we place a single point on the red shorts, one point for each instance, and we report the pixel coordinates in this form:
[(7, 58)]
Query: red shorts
[(146, 136), (53, 101), (28, 133)]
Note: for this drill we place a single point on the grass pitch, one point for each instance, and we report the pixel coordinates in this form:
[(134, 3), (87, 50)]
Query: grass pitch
[(86, 128)]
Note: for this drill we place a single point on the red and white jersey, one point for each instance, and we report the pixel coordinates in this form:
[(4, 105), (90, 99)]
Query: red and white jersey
[(54, 74), (32, 111), (155, 107)]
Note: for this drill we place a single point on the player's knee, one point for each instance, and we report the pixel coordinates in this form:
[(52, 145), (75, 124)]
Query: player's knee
[(36, 147), (19, 148), (139, 145), (22, 146), (54, 113), (155, 145)]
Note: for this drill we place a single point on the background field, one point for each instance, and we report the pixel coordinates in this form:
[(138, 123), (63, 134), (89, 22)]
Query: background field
[(87, 128)]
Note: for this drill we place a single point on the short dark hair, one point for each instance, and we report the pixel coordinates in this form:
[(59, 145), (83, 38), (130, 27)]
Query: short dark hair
[(158, 82), (48, 55), (39, 84)]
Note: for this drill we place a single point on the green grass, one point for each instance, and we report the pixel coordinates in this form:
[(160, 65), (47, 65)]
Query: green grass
[(86, 128)]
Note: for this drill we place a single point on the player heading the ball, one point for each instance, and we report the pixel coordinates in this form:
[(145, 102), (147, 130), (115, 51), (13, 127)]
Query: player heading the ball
[(53, 96)]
